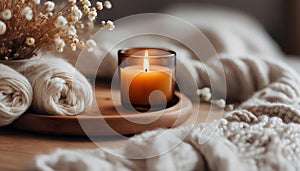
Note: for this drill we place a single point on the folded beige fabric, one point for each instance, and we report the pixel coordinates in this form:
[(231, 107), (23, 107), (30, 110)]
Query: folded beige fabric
[(15, 95), (58, 88), (262, 134)]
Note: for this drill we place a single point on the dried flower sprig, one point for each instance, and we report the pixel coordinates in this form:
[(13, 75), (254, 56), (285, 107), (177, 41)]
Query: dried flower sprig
[(205, 95), (27, 26)]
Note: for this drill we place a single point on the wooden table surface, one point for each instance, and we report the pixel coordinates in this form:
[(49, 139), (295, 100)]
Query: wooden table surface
[(18, 148)]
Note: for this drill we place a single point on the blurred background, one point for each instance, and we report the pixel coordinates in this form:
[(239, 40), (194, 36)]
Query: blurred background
[(279, 17)]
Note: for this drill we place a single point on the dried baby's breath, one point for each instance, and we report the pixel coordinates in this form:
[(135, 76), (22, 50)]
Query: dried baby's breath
[(27, 26)]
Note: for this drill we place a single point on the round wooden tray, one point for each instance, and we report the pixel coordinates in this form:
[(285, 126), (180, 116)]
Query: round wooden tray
[(104, 118)]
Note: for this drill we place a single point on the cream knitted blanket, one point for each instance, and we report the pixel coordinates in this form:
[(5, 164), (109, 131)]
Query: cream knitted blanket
[(262, 134)]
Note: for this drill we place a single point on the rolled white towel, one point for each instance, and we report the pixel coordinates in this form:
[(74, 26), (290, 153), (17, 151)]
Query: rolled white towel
[(15, 95), (58, 88)]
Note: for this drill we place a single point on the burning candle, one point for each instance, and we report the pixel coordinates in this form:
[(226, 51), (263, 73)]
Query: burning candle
[(147, 77)]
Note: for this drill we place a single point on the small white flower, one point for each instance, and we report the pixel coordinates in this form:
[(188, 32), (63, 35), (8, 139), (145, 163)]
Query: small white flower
[(74, 19), (42, 15), (220, 103), (49, 14), (107, 4), (72, 2), (86, 2), (203, 90), (60, 49), (49, 6), (36, 1), (110, 25), (204, 93), (6, 14), (58, 40), (30, 41), (80, 44), (74, 8), (59, 44), (72, 30), (73, 46), (2, 27), (93, 9), (75, 40), (92, 15), (77, 12), (27, 12), (90, 45), (99, 5), (60, 22), (206, 96), (230, 107), (85, 9)]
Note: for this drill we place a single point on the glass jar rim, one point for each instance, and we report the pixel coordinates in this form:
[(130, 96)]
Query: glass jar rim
[(126, 52)]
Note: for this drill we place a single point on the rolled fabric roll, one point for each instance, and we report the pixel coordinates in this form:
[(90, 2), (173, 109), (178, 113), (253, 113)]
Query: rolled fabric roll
[(15, 95), (58, 88)]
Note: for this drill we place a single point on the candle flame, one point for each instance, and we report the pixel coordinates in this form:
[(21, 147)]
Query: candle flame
[(146, 61)]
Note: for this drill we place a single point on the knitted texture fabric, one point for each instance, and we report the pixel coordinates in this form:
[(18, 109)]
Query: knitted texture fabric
[(15, 95), (58, 88), (262, 134)]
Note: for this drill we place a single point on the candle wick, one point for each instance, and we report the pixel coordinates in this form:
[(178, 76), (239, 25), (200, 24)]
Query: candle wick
[(146, 61)]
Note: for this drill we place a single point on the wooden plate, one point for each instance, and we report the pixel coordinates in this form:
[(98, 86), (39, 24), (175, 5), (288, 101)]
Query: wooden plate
[(104, 118)]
